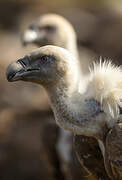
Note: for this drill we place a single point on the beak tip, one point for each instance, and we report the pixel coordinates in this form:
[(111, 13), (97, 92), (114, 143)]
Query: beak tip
[(14, 69), (11, 71), (9, 74)]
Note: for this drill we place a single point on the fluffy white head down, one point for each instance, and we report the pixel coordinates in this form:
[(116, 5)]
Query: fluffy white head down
[(106, 86)]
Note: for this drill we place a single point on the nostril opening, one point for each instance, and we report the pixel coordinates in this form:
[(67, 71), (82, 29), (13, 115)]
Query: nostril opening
[(22, 63)]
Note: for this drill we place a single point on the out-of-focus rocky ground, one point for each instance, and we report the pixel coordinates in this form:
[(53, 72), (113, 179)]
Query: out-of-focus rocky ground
[(24, 107)]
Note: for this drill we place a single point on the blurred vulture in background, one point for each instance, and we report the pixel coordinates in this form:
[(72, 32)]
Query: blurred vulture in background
[(54, 29), (48, 29)]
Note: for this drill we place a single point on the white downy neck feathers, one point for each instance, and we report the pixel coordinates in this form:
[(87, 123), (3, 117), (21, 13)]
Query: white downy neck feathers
[(105, 85)]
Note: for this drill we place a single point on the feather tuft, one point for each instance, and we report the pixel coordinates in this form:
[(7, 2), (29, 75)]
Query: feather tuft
[(105, 86)]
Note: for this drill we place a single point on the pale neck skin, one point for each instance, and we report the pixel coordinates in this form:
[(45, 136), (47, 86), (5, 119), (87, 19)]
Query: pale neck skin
[(70, 110)]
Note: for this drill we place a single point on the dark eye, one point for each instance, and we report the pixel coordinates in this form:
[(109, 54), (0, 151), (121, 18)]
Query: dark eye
[(50, 28), (45, 59)]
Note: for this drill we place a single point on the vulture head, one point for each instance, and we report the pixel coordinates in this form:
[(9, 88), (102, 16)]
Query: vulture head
[(49, 29), (47, 66)]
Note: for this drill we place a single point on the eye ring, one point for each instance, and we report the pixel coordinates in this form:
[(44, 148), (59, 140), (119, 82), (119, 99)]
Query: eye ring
[(45, 59)]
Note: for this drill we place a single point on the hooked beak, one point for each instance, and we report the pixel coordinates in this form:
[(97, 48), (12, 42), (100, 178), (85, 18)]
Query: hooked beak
[(20, 70), (32, 36)]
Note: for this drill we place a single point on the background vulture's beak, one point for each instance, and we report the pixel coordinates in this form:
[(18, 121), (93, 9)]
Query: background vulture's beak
[(29, 36), (32, 36)]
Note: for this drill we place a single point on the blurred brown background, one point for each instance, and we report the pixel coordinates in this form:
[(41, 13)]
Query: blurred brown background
[(24, 107)]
